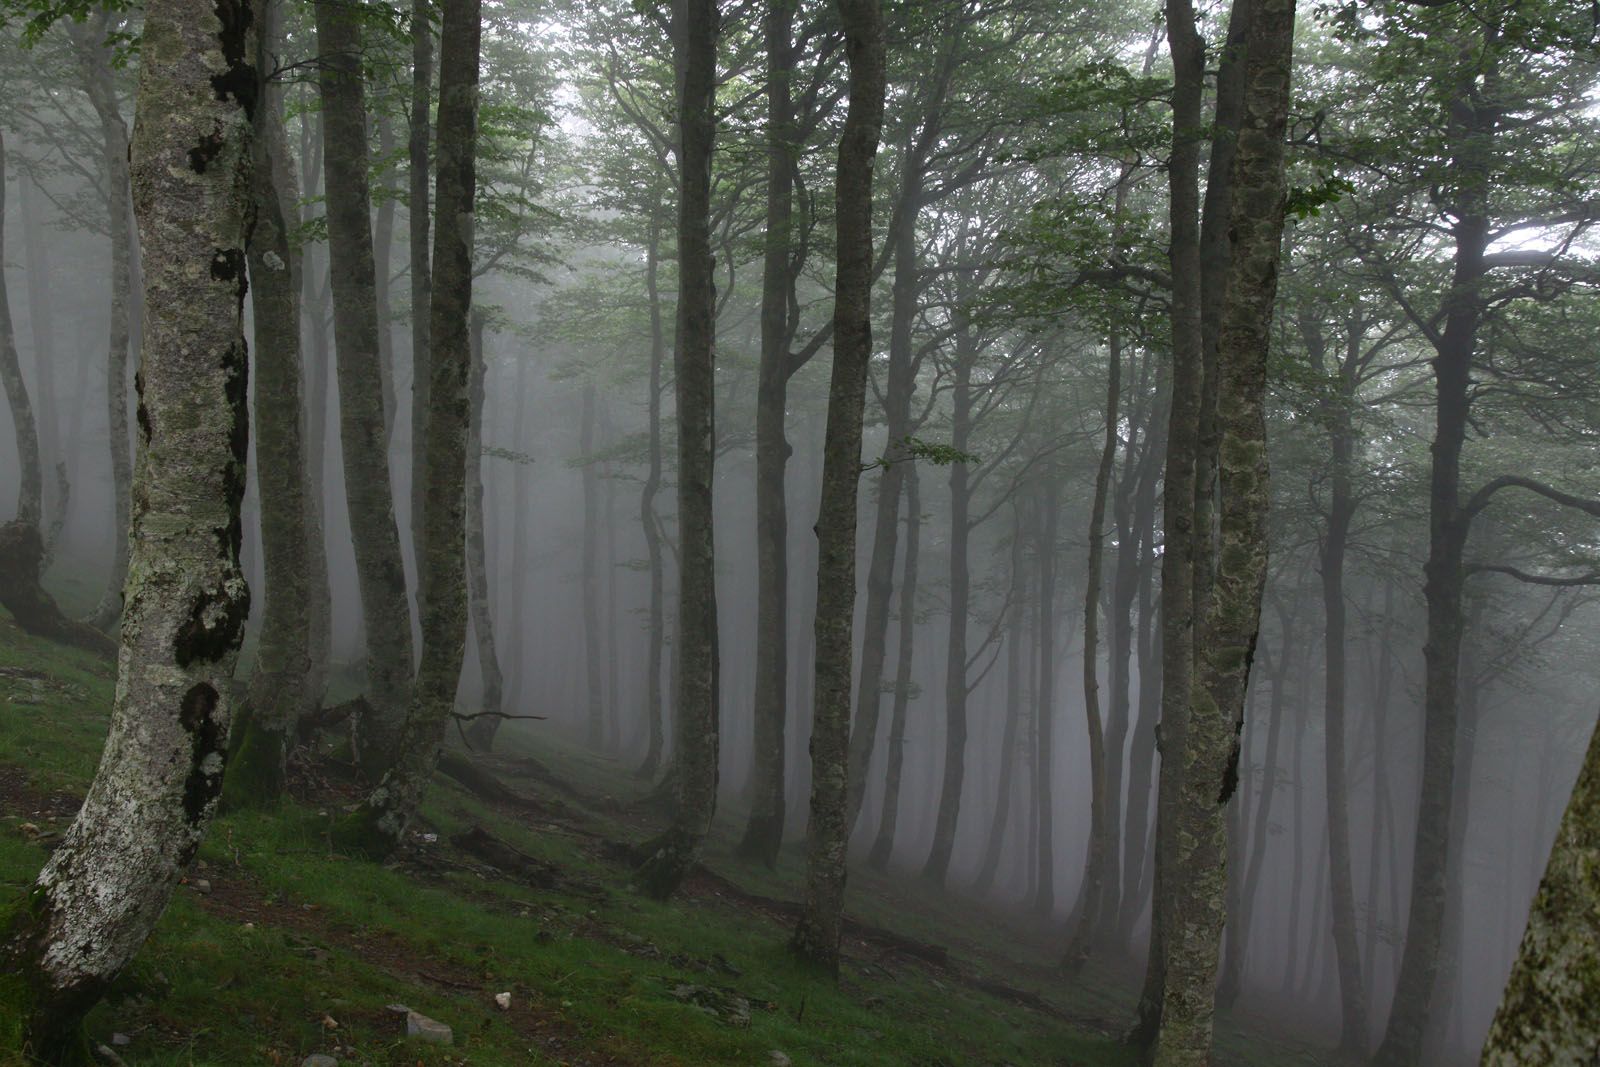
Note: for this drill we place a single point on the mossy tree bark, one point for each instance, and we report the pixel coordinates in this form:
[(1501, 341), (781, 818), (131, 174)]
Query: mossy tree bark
[(93, 55), (1551, 1009), (380, 574), (669, 858), (816, 936), (146, 812), (1209, 754), (379, 825), (277, 688)]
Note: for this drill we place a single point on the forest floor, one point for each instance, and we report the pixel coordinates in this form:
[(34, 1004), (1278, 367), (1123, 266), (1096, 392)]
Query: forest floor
[(277, 948)]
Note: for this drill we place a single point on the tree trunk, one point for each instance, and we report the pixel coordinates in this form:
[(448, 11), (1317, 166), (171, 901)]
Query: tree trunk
[(763, 834), (94, 65), (995, 842), (1210, 747), (593, 650), (670, 857), (267, 720), (419, 132), (314, 309), (1551, 1009), (657, 623), (379, 825), (955, 683), (379, 572), (382, 253), (1101, 830), (1447, 536), (30, 487), (816, 936), (493, 701), (41, 315), (897, 414), (1044, 898), (883, 844), (109, 880)]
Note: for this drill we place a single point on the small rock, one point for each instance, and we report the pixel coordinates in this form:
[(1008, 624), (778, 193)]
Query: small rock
[(502, 1001), (121, 1040), (319, 1059), (330, 1023), (201, 885), (430, 1030), (397, 1009), (778, 1058), (29, 829), (430, 839)]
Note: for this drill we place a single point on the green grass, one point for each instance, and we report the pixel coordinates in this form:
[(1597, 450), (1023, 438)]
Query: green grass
[(298, 949)]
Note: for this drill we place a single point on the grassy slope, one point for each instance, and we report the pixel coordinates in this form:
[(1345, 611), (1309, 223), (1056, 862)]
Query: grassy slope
[(297, 950)]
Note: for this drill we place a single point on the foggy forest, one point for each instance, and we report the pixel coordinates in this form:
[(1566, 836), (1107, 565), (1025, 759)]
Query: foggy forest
[(765, 532)]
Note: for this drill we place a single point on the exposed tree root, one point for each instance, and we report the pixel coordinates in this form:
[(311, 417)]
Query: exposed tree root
[(21, 560)]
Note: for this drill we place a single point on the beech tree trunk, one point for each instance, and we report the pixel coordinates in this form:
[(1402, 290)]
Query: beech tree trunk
[(94, 66), (593, 648), (816, 937), (883, 843), (314, 307), (492, 703), (153, 795), (379, 825), (657, 621), (1044, 899), (1551, 1009), (30, 487), (259, 761), (669, 857), (763, 834), (1209, 751), (380, 574), (419, 163), (41, 314), (995, 842)]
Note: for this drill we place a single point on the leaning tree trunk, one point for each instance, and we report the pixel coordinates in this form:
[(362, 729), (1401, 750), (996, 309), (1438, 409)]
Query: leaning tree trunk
[(94, 64), (670, 856), (380, 574), (109, 880), (1551, 1009), (30, 488), (277, 687), (883, 844), (1209, 752), (378, 826), (491, 706), (816, 937), (763, 834)]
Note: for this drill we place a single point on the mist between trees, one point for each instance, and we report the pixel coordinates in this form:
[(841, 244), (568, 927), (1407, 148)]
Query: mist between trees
[(1130, 468)]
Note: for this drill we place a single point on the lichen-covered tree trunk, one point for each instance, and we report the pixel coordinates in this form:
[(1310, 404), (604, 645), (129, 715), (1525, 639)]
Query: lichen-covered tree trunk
[(380, 575), (277, 687), (30, 486), (1209, 752), (378, 826), (493, 702), (883, 843), (948, 815), (763, 834), (94, 66), (656, 620), (816, 936), (419, 160), (108, 882), (1550, 1013), (593, 646), (670, 856)]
